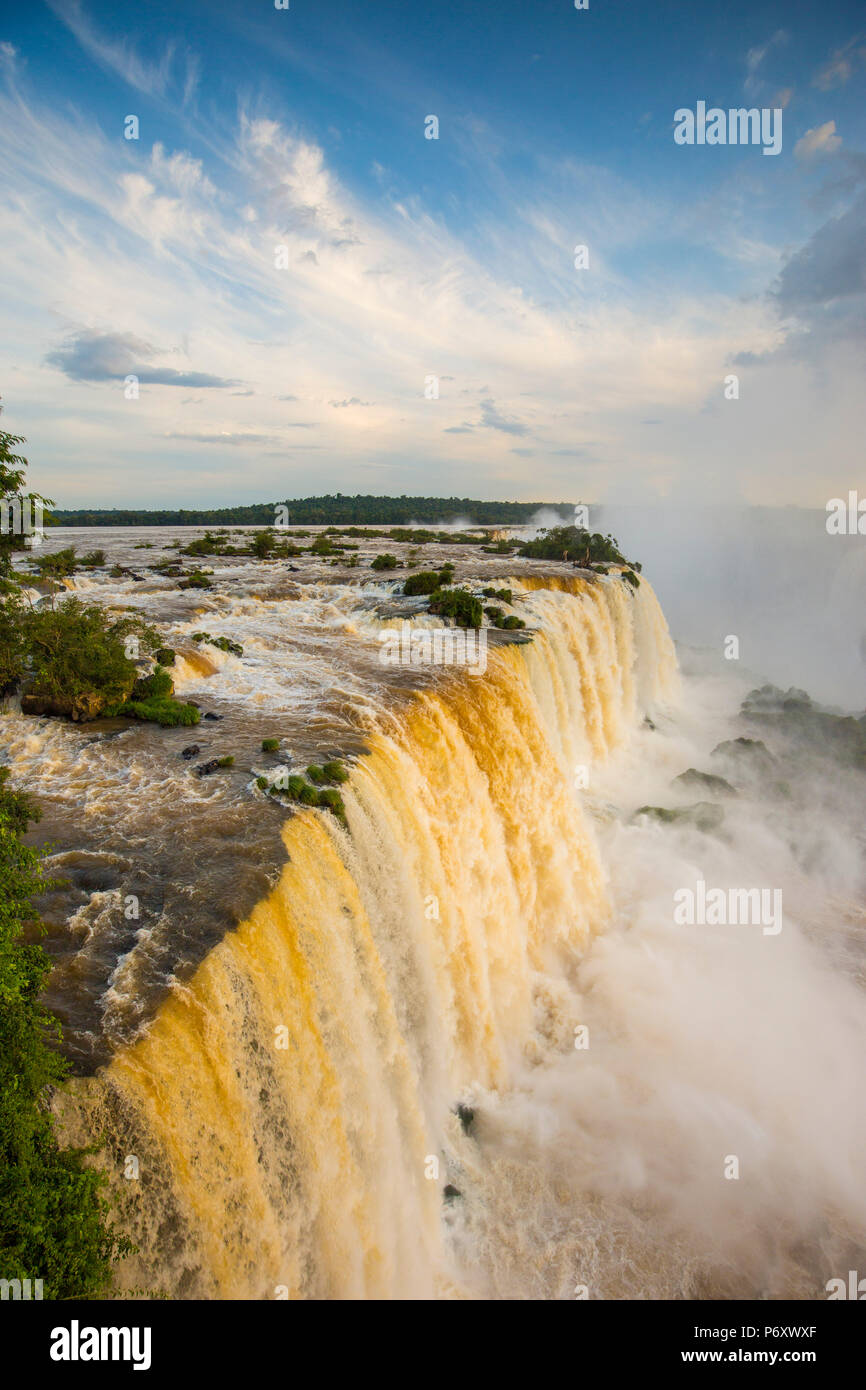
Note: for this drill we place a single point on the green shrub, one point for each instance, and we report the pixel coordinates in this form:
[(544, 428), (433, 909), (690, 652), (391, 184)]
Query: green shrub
[(262, 543), (458, 604), (262, 783), (331, 800), (165, 656), (425, 582), (301, 792), (384, 562), (54, 1216), (270, 745), (322, 545), (196, 580), (93, 558), (226, 761), (316, 774), (335, 772), (59, 565), (157, 686)]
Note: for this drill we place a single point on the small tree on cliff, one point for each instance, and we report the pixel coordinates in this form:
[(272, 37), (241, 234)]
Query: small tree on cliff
[(12, 470), (54, 1218)]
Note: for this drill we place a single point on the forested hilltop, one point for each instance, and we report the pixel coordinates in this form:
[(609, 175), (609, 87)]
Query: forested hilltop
[(322, 511)]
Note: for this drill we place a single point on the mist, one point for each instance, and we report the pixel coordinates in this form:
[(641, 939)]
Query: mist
[(793, 595), (609, 1167)]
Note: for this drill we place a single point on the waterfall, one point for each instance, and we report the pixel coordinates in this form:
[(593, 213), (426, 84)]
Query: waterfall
[(291, 1108)]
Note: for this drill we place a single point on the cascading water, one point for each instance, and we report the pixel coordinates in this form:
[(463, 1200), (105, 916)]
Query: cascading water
[(290, 1104)]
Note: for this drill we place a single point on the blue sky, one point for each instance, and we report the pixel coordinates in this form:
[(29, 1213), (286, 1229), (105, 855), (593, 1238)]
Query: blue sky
[(404, 258)]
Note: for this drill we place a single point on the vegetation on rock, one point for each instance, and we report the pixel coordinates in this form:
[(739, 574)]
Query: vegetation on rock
[(458, 604), (55, 1220)]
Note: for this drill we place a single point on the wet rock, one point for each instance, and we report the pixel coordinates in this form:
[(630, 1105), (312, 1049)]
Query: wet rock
[(704, 781), (704, 815), (213, 716), (205, 769), (80, 709), (466, 1116), (191, 752), (450, 1192)]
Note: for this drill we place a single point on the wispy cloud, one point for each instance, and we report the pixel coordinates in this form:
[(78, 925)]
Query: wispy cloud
[(113, 247), (223, 437), (152, 78), (840, 66), (755, 58)]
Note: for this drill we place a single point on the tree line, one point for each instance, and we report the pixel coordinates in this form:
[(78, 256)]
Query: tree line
[(330, 509)]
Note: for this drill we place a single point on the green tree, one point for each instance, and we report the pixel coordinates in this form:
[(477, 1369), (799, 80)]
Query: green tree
[(74, 650), (12, 470), (55, 1220), (573, 543), (263, 543)]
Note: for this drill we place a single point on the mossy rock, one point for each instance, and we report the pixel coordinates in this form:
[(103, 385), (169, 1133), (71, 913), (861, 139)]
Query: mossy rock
[(331, 800), (704, 781), (171, 714), (704, 815), (224, 644), (165, 656)]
